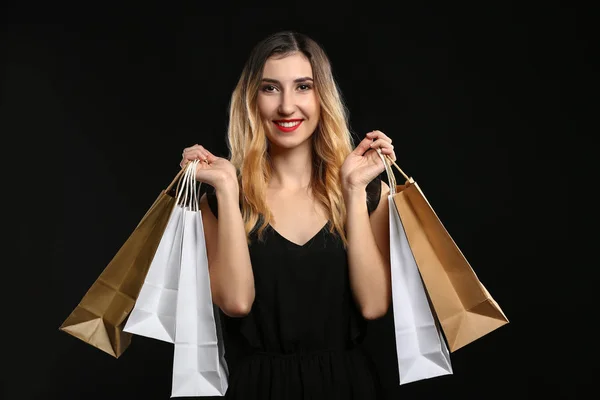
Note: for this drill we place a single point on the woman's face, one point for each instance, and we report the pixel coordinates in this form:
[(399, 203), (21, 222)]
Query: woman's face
[(287, 100)]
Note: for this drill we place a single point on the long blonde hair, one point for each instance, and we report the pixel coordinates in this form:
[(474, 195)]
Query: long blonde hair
[(247, 141)]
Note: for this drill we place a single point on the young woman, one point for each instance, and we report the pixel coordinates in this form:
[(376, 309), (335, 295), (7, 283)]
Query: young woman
[(296, 230)]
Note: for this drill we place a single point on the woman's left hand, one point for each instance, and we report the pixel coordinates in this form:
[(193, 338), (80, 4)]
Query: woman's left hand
[(362, 166)]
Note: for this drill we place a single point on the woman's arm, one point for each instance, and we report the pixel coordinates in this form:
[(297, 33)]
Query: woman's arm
[(368, 252), (231, 276)]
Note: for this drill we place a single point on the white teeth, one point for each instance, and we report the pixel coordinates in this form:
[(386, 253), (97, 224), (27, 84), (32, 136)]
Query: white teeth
[(288, 124)]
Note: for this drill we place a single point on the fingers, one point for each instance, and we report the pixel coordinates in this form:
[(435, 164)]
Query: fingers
[(391, 154), (386, 148), (196, 152), (378, 135), (363, 146), (382, 142), (376, 140), (210, 157)]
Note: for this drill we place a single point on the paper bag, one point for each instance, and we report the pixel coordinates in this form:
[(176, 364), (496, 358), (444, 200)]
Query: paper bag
[(465, 309), (199, 366), (153, 314), (420, 347), (99, 317)]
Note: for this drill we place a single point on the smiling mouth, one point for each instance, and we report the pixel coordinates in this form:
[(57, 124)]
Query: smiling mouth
[(288, 125)]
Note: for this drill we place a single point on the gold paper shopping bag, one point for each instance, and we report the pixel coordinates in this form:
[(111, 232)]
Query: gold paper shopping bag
[(465, 309), (100, 316)]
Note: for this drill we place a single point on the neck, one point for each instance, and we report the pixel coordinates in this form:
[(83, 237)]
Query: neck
[(292, 168)]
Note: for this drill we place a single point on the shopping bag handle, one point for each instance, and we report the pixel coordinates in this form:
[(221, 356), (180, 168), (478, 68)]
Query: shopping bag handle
[(388, 162), (186, 185), (176, 179)]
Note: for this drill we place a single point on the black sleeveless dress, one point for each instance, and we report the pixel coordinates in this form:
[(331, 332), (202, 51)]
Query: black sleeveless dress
[(303, 336)]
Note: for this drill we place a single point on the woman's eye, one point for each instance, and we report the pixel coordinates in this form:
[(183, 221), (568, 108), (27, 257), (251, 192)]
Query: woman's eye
[(269, 88), (304, 87)]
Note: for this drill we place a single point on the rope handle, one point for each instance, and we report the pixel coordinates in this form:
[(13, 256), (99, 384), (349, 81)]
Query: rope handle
[(388, 162), (187, 191)]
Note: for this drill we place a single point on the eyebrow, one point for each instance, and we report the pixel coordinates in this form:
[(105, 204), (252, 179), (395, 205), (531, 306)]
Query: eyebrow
[(297, 80)]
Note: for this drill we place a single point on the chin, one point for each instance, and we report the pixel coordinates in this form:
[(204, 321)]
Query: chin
[(284, 145), (288, 142)]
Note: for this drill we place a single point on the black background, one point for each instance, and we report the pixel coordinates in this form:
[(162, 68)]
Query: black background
[(98, 102)]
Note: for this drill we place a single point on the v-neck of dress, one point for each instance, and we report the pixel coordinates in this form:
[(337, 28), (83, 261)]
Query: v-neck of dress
[(309, 241)]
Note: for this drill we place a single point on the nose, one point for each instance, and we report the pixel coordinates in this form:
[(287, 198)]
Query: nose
[(287, 104)]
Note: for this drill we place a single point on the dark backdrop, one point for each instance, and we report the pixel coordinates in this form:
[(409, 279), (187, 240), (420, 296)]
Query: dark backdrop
[(99, 101)]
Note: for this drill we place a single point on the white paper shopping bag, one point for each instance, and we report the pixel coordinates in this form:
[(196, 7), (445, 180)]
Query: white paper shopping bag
[(153, 314), (199, 366), (420, 346)]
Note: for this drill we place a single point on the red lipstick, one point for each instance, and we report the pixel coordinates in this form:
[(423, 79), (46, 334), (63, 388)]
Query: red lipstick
[(296, 124)]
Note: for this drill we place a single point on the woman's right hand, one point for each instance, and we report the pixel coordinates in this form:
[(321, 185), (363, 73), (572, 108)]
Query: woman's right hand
[(216, 171)]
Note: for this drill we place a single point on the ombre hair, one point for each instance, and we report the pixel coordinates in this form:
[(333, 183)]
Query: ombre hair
[(248, 143)]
